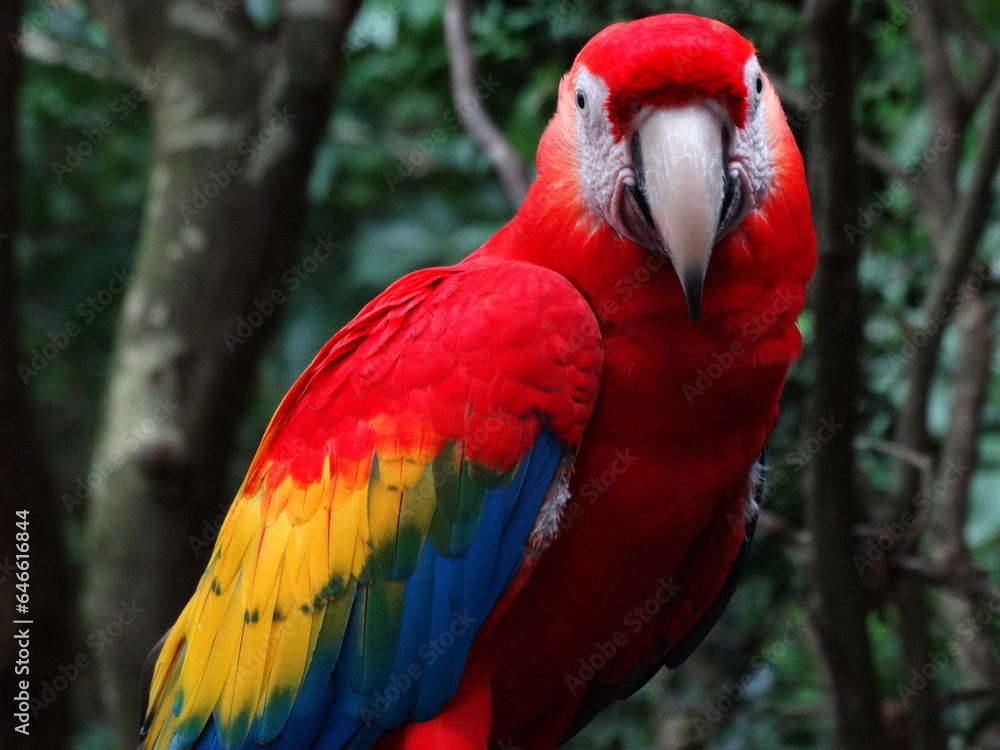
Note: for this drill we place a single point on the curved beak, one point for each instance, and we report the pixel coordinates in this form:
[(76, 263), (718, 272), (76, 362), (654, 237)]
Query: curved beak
[(678, 154)]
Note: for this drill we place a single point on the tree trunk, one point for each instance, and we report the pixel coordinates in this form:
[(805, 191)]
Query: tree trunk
[(237, 115), (833, 501), (26, 483)]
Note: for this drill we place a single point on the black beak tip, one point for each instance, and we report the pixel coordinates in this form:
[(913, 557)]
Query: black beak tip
[(693, 311), (692, 293)]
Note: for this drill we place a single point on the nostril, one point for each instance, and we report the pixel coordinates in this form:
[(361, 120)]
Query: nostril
[(640, 201), (728, 194), (637, 165), (732, 201), (637, 191)]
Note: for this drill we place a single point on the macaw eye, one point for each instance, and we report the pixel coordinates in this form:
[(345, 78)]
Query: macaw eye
[(758, 87), (581, 101)]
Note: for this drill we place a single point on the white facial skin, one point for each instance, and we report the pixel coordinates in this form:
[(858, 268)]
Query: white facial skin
[(681, 179)]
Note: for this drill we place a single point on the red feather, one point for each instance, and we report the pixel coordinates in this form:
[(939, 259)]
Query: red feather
[(684, 58)]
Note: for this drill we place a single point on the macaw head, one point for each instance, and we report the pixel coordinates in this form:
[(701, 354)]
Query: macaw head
[(673, 132)]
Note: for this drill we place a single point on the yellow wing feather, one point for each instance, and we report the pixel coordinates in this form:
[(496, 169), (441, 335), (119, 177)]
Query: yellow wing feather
[(285, 562)]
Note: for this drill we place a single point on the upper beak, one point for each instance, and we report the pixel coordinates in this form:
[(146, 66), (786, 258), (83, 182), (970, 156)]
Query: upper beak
[(678, 154)]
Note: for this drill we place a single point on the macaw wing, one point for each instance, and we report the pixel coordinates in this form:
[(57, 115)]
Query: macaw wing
[(387, 508)]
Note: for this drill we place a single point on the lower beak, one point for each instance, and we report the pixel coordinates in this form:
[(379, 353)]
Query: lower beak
[(678, 156)]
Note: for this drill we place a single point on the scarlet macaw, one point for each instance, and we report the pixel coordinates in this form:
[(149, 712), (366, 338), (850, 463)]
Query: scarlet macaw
[(510, 490)]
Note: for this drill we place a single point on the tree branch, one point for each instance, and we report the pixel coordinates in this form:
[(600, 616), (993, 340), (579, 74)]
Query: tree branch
[(866, 148), (79, 57), (964, 230), (972, 210), (779, 526), (944, 93), (952, 697), (981, 45), (919, 460), (881, 160), (969, 581), (959, 453), (514, 173)]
